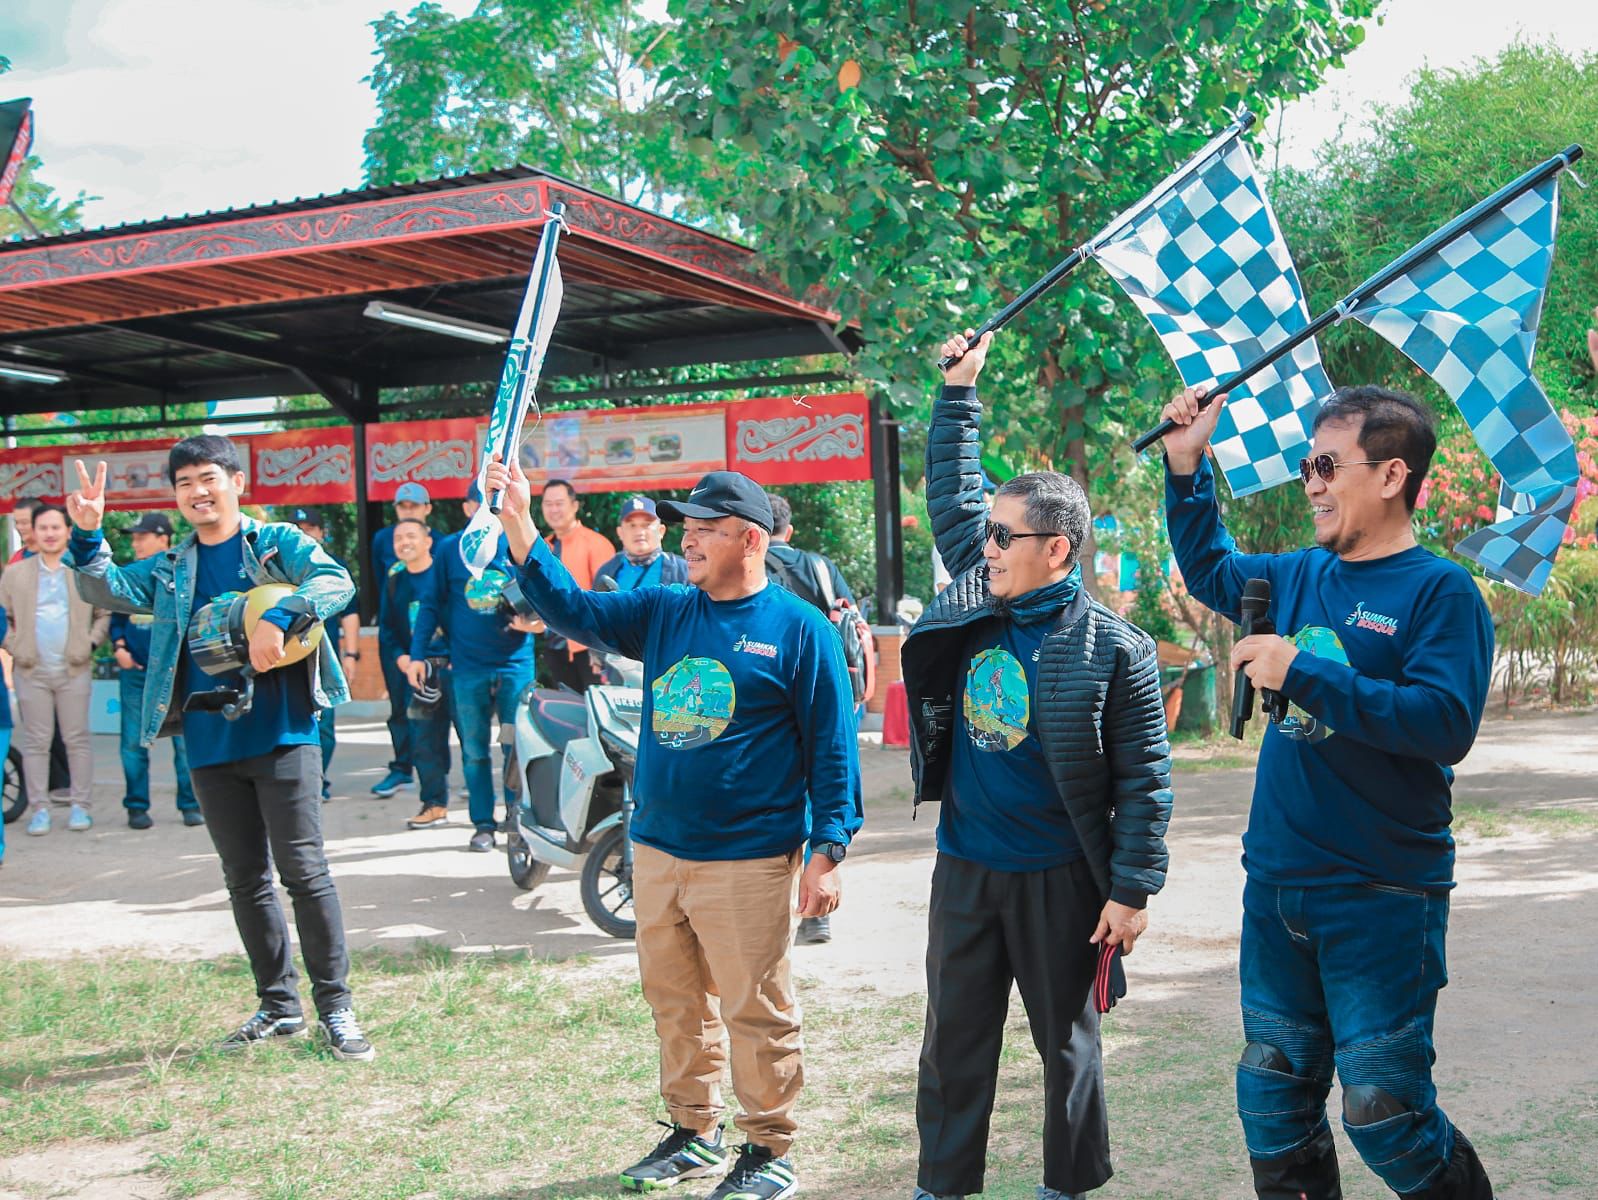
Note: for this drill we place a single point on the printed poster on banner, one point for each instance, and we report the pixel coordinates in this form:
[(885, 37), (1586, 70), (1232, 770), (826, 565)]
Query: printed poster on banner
[(626, 449)]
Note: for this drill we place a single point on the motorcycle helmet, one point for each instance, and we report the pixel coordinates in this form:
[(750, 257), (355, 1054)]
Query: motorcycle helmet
[(219, 642)]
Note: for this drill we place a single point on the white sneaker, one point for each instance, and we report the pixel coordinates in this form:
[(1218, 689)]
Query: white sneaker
[(79, 819), (39, 823)]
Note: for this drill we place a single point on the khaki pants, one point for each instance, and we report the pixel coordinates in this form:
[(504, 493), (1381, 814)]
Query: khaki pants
[(713, 945), (48, 697)]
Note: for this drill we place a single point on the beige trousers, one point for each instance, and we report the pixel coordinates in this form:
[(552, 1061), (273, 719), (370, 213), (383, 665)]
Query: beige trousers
[(48, 697), (713, 946)]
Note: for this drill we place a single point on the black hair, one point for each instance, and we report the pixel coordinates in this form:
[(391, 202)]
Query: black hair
[(1391, 425), (55, 508), (781, 514), (208, 449), (565, 483), (1055, 503), (413, 521), (33, 504)]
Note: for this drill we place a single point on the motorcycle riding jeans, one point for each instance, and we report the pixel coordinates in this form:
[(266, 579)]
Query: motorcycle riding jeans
[(476, 698)]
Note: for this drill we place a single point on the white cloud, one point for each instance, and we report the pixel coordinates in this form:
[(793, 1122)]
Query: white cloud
[(189, 105), (1447, 34)]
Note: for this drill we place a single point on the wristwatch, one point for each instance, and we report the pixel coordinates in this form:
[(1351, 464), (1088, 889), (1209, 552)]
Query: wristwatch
[(833, 850)]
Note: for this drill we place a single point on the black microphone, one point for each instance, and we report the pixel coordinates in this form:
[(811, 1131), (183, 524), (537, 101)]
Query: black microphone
[(1256, 603)]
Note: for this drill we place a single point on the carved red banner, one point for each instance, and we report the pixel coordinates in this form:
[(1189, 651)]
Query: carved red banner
[(303, 466), (800, 439), (439, 455), (30, 472)]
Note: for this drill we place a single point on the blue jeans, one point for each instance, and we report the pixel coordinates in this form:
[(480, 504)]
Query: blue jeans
[(136, 758), (475, 697), (1345, 976), (429, 748), (399, 725)]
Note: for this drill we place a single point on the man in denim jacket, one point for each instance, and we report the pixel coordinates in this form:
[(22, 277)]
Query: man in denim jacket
[(258, 778)]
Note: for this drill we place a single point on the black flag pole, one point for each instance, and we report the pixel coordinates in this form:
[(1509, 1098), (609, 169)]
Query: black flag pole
[(1405, 262), (1082, 253)]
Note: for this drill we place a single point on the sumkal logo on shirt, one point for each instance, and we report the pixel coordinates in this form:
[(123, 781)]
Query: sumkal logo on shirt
[(1361, 618)]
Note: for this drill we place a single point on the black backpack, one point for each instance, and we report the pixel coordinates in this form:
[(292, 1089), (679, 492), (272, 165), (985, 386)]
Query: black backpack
[(859, 651)]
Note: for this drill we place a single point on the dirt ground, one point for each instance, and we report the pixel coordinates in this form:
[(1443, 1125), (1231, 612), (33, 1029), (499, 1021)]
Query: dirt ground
[(1522, 968)]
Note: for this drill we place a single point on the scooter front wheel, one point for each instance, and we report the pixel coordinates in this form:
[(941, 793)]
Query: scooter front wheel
[(608, 885), (526, 872)]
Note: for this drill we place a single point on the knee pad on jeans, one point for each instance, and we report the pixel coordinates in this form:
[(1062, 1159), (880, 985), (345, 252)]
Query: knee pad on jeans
[(1282, 1081), (1389, 1108)]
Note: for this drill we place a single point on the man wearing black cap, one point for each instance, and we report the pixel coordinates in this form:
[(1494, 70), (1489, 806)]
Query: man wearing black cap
[(130, 635), (641, 563), (343, 631), (748, 754)]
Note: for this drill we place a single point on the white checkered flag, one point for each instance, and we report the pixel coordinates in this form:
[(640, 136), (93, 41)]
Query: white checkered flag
[(518, 384), (1467, 313), (1204, 259)]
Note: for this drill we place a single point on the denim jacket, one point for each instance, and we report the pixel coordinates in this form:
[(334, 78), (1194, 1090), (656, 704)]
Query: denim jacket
[(163, 584)]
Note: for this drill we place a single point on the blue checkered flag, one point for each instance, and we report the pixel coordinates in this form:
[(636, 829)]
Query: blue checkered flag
[(1467, 315), (1205, 261)]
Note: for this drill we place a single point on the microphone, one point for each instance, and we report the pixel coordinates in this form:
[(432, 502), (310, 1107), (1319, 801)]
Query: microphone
[(1256, 603)]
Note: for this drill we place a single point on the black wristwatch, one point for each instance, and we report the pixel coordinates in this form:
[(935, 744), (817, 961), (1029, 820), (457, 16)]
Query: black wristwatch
[(833, 850)]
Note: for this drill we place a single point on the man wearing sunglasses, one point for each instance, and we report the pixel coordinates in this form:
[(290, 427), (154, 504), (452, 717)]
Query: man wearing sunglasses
[(1036, 720), (1385, 658)]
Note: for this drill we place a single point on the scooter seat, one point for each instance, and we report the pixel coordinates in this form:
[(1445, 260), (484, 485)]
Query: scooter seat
[(559, 716)]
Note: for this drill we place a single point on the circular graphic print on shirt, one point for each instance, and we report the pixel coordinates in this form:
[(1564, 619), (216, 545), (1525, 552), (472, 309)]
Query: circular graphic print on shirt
[(997, 702), (482, 595), (694, 703), (1322, 643)]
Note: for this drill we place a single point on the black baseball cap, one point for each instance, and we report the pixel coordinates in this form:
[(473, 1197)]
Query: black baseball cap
[(308, 516), (152, 522), (721, 494)]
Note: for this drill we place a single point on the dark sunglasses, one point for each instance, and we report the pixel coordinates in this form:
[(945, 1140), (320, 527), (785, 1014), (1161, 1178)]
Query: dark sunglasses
[(1327, 467), (1004, 535)]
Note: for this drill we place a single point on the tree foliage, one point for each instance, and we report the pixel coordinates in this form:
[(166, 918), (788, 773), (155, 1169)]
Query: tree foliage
[(924, 161), (48, 212), (567, 85)]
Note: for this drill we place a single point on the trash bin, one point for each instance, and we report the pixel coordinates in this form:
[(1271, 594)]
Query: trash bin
[(1198, 699)]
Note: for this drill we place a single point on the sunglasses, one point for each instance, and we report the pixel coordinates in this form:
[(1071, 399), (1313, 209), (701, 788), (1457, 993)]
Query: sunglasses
[(1327, 467), (1003, 535)]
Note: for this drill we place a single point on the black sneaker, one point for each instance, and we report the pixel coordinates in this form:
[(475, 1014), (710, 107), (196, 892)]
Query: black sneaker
[(682, 1154), (139, 819), (757, 1175), (344, 1036), (264, 1027), (814, 931)]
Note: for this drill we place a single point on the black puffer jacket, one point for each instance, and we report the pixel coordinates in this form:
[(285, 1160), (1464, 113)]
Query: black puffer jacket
[(1099, 713)]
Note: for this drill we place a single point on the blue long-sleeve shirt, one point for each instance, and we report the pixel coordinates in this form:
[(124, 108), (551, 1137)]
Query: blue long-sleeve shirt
[(748, 744), (467, 610), (384, 563), (133, 631), (1387, 691), (403, 592)]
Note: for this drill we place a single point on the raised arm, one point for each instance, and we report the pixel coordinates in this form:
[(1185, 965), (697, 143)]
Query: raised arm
[(1213, 569), (100, 581), (955, 503)]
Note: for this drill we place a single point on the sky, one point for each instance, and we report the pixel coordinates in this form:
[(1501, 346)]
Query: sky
[(161, 107)]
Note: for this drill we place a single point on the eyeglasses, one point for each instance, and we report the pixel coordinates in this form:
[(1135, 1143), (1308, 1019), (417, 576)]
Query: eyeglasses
[(1327, 467), (1003, 534)]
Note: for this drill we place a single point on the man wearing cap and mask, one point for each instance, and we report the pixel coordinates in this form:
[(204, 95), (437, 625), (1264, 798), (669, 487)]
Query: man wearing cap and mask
[(641, 563), (130, 637), (747, 754), (411, 503), (343, 632), (257, 774)]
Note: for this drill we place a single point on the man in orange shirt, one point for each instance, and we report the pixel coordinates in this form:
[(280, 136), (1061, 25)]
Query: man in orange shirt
[(582, 551)]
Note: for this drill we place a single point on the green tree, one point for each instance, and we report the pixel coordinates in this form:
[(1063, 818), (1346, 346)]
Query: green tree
[(925, 161), (567, 85)]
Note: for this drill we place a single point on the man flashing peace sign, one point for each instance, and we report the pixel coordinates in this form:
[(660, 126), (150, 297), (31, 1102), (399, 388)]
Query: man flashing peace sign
[(258, 778)]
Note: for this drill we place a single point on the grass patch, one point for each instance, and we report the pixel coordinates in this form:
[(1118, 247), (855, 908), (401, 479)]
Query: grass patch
[(507, 1078), (1490, 820)]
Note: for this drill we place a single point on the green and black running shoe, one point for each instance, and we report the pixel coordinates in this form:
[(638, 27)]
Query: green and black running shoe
[(757, 1175), (682, 1154)]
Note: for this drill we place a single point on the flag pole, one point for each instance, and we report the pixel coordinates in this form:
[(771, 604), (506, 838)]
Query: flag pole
[(519, 361), (1461, 224), (1082, 253)]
